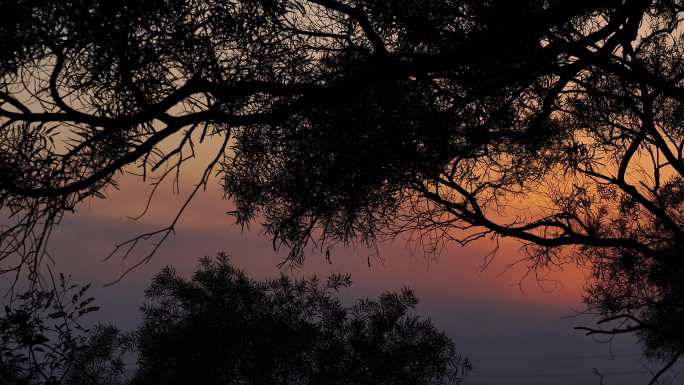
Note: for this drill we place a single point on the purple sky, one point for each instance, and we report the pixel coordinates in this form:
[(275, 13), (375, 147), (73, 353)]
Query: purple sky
[(514, 334)]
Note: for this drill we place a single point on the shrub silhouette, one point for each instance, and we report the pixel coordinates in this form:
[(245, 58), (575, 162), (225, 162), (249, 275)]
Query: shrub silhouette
[(222, 327)]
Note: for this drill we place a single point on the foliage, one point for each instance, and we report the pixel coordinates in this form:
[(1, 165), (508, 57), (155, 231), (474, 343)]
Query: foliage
[(556, 122), (101, 358), (42, 342), (221, 327)]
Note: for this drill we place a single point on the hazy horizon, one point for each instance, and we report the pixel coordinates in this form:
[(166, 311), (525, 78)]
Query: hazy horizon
[(513, 333)]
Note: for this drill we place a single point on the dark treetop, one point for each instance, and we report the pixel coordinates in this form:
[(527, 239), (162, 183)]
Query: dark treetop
[(222, 327)]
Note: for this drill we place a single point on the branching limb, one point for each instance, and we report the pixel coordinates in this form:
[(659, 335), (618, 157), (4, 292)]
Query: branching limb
[(130, 245)]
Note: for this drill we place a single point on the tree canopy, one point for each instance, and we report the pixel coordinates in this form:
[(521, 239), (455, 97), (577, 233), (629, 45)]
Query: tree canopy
[(222, 327), (354, 119), (42, 340)]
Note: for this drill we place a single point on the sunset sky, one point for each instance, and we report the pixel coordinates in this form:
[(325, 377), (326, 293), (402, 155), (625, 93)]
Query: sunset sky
[(514, 328), (554, 122)]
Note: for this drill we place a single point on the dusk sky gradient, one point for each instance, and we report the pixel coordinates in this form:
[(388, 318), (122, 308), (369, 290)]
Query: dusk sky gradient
[(514, 331)]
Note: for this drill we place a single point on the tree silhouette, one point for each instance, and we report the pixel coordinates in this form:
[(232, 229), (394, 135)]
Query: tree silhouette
[(354, 119), (222, 327), (42, 341)]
